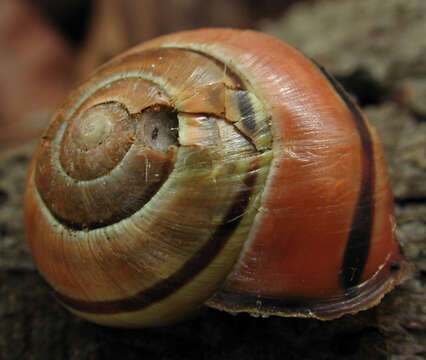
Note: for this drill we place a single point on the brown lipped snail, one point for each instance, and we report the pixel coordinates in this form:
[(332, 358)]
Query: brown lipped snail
[(214, 166)]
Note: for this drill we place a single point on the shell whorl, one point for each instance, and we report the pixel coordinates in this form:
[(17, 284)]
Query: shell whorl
[(214, 166), (135, 154)]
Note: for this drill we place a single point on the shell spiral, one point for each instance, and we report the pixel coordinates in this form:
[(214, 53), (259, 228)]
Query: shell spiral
[(212, 165)]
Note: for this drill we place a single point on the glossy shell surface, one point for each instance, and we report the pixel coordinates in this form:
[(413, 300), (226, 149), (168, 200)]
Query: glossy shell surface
[(213, 165)]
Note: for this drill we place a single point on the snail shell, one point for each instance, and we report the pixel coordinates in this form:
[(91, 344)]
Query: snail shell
[(216, 166)]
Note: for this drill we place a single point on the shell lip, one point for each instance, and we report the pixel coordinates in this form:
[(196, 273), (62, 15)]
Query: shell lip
[(355, 299)]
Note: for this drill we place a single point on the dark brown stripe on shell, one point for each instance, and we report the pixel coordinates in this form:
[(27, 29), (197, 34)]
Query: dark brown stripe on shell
[(191, 268), (128, 207), (134, 205), (248, 116), (130, 202), (351, 301), (245, 107), (358, 243), (240, 84)]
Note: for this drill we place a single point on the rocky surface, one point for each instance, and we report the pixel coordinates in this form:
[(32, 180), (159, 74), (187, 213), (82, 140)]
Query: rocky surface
[(369, 45)]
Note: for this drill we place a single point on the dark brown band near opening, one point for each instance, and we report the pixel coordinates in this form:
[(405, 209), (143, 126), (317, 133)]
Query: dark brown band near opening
[(358, 243)]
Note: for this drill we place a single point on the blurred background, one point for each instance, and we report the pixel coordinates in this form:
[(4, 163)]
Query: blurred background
[(47, 46), (375, 48)]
